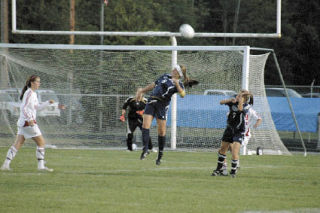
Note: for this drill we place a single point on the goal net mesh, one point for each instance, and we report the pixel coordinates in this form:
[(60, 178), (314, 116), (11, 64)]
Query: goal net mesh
[(93, 85)]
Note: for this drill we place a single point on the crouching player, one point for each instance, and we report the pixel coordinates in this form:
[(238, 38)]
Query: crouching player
[(136, 108), (234, 132)]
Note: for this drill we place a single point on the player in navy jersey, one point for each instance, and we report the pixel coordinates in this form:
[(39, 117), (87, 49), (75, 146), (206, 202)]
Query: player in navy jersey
[(136, 108), (158, 103), (234, 132)]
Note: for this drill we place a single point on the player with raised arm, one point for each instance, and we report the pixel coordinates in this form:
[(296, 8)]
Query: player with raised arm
[(158, 103), (252, 119), (234, 132), (27, 124), (136, 108)]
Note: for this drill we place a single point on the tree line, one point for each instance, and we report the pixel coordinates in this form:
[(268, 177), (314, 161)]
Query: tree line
[(298, 50)]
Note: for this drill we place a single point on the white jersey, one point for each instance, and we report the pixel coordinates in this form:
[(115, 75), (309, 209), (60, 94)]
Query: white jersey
[(29, 107), (250, 119)]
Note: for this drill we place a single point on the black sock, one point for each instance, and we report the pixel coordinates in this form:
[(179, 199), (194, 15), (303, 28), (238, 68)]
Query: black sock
[(145, 138), (221, 159), (161, 142), (129, 141), (150, 143), (234, 165)]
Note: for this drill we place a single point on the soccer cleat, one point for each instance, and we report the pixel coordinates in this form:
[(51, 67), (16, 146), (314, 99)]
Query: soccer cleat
[(216, 173), (5, 168), (158, 162), (45, 169), (233, 175), (144, 155)]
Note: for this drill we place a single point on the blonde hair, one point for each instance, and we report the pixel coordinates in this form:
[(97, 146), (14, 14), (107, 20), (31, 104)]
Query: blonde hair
[(185, 76), (248, 97)]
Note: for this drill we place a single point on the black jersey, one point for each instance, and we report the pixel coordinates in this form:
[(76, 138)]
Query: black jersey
[(236, 118), (134, 106)]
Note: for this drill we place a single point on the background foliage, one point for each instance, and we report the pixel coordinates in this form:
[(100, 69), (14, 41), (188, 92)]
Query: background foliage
[(298, 49)]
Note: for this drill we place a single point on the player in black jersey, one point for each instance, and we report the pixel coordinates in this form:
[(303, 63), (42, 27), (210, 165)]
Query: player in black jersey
[(136, 108), (234, 132)]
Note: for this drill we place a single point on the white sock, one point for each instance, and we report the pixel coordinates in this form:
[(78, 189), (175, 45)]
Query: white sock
[(40, 156), (10, 155)]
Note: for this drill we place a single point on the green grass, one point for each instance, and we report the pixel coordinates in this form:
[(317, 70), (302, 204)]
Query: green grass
[(117, 181)]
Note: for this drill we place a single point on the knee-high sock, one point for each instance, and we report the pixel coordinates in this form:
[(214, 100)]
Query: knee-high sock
[(145, 138), (40, 156), (161, 143), (234, 165), (150, 145), (221, 159), (129, 140), (10, 155)]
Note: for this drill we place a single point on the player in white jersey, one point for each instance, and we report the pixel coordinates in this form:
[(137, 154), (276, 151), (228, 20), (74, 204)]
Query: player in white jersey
[(27, 124), (252, 119)]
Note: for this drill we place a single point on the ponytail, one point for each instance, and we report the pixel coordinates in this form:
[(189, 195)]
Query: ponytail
[(251, 99), (187, 82), (28, 85)]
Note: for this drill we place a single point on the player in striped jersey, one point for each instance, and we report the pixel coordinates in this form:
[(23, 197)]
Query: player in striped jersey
[(234, 132), (27, 125), (136, 108)]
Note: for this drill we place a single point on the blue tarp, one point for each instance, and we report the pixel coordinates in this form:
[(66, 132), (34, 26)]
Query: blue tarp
[(204, 111)]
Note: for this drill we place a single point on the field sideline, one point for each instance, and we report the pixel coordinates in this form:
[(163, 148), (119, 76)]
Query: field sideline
[(117, 181)]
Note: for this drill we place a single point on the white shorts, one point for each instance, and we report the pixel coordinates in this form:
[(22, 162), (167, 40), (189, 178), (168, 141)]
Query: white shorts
[(29, 131)]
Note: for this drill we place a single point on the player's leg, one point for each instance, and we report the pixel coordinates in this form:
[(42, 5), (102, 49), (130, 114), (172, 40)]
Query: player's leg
[(221, 158), (235, 158), (225, 144), (147, 120), (150, 145), (13, 151), (131, 126), (161, 138), (40, 153)]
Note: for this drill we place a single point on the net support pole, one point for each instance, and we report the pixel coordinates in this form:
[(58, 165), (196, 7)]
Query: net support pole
[(290, 104), (174, 59)]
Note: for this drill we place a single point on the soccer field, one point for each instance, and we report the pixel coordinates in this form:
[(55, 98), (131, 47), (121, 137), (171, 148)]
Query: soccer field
[(117, 181)]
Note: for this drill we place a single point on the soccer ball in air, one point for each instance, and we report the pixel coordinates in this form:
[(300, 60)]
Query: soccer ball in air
[(186, 31)]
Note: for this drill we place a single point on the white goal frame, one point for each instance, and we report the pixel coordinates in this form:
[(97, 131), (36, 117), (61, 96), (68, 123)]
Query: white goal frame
[(276, 34), (174, 48)]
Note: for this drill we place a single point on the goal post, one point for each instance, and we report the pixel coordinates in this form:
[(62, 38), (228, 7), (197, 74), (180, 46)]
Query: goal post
[(94, 81)]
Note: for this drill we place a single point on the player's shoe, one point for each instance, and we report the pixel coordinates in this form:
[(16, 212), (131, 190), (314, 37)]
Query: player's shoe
[(233, 175), (144, 155), (5, 168), (45, 169), (158, 162), (217, 173)]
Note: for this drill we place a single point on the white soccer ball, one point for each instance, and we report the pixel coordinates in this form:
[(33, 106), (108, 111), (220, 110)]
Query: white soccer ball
[(186, 31), (134, 146)]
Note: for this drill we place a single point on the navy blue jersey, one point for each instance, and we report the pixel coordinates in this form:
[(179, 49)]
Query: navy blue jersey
[(236, 118), (165, 88), (134, 106)]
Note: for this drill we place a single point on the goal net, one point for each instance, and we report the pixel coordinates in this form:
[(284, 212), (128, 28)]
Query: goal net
[(93, 84)]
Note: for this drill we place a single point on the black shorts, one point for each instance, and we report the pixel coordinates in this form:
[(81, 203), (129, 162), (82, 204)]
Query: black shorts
[(157, 109), (232, 135), (133, 123)]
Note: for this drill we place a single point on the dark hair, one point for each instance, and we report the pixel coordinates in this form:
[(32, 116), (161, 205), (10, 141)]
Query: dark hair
[(28, 84)]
